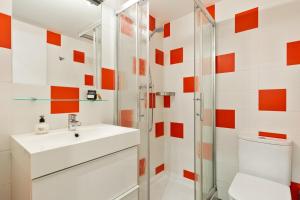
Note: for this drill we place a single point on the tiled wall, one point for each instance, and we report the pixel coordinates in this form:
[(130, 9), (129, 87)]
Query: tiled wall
[(5, 79), (258, 79), (172, 65), (178, 78), (20, 117), (157, 136)]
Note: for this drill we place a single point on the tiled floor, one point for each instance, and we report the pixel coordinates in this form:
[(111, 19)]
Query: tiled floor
[(171, 188)]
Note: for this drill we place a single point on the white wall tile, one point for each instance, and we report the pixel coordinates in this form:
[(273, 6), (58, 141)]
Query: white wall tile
[(29, 53), (6, 7), (227, 11), (260, 64), (223, 188), (5, 192), (67, 72), (5, 167), (6, 65), (225, 36), (6, 113), (295, 137), (278, 120), (237, 82), (227, 159)]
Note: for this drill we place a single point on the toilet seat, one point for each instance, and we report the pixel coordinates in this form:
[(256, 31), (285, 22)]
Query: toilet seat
[(247, 187)]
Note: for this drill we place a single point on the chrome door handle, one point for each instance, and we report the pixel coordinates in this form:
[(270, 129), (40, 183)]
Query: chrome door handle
[(201, 101), (201, 106), (138, 112)]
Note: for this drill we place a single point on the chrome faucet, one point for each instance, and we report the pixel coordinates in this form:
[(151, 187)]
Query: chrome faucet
[(72, 122)]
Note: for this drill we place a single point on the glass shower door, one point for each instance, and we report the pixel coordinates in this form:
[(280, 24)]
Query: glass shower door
[(204, 106), (132, 82)]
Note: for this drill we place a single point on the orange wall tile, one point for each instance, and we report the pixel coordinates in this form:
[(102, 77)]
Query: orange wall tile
[(142, 66), (167, 101), (272, 135), (108, 79), (126, 25), (142, 167), (152, 100), (212, 11), (246, 20), (159, 57), (167, 30), (126, 118), (208, 117), (225, 63), (272, 100), (207, 151), (176, 56), (177, 130), (159, 168), (159, 129), (293, 53), (88, 80), (152, 23), (5, 31), (295, 190), (78, 56), (225, 118), (189, 175), (53, 38), (58, 107), (190, 84)]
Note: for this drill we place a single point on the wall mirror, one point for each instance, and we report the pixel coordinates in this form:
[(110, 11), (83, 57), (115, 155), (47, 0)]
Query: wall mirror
[(56, 42)]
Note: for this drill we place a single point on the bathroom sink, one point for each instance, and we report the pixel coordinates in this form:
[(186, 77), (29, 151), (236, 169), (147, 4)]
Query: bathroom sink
[(61, 149)]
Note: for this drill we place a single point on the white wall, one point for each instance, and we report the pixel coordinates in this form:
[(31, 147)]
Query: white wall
[(18, 117), (30, 54), (260, 63), (180, 152), (157, 145)]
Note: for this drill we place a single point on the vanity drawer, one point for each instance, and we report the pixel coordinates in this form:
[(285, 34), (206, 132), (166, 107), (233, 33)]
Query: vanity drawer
[(103, 178)]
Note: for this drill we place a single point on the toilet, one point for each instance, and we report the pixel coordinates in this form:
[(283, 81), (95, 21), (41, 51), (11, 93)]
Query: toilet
[(264, 170)]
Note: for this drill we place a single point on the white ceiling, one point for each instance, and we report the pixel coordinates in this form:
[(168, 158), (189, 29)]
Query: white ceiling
[(115, 4), (71, 17), (68, 17), (167, 10)]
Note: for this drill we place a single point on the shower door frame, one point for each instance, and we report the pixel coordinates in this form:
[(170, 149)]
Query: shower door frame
[(199, 5), (127, 5), (213, 192)]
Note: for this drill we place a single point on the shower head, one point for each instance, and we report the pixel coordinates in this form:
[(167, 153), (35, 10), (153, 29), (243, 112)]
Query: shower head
[(95, 2), (157, 30)]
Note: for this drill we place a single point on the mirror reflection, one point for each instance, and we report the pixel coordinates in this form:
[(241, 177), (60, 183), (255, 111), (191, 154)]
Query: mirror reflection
[(56, 42)]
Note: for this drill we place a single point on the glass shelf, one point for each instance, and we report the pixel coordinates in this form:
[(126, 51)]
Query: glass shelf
[(165, 94), (41, 99)]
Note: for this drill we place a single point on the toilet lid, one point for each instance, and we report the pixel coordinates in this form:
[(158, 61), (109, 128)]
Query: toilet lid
[(247, 187)]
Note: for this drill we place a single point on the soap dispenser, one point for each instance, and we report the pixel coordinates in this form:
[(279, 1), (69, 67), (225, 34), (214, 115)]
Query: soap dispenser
[(42, 127)]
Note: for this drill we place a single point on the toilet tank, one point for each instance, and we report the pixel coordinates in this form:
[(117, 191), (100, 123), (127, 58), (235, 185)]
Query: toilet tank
[(266, 158)]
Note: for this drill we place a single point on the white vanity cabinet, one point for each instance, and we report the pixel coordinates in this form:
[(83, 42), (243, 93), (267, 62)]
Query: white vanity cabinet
[(112, 175), (103, 178)]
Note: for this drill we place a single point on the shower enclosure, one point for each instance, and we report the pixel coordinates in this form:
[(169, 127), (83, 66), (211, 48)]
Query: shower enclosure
[(204, 104), (136, 97)]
